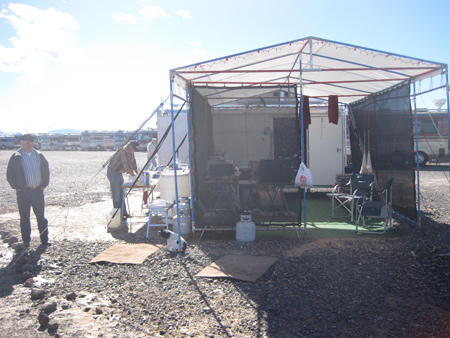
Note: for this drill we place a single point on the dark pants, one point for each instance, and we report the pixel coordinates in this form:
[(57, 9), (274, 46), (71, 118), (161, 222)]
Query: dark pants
[(115, 181), (32, 198)]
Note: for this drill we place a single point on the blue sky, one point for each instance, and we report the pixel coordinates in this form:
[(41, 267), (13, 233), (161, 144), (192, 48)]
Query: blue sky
[(104, 64)]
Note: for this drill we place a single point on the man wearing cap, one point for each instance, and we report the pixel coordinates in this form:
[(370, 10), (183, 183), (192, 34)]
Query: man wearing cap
[(28, 173), (122, 162)]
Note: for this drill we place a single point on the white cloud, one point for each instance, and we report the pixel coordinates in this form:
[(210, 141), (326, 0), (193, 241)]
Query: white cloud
[(184, 13), (42, 37), (152, 12), (121, 17), (195, 43)]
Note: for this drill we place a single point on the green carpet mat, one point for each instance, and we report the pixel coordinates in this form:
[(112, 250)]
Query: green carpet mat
[(319, 223)]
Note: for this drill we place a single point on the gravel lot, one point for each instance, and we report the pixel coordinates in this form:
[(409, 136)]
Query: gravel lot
[(358, 287)]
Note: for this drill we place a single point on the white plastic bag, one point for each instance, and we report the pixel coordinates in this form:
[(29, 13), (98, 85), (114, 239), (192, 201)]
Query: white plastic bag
[(304, 177)]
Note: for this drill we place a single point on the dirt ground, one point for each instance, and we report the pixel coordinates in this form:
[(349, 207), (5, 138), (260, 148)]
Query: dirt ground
[(357, 287)]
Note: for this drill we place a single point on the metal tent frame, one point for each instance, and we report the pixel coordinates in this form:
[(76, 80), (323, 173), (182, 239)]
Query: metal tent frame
[(318, 67)]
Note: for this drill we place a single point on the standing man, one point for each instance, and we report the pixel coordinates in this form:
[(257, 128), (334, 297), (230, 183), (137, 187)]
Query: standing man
[(123, 162), (28, 173), (153, 164)]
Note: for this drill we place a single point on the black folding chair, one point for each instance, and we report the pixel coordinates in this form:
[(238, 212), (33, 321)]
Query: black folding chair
[(375, 210), (360, 186)]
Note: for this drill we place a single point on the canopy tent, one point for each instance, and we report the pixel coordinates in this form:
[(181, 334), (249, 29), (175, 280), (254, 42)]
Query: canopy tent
[(312, 67), (321, 67)]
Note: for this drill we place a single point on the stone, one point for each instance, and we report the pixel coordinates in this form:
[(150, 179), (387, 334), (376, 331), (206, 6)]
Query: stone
[(37, 293), (43, 319), (52, 326), (19, 247), (98, 310), (21, 259), (27, 275), (27, 267), (12, 240), (29, 282), (49, 307), (71, 296)]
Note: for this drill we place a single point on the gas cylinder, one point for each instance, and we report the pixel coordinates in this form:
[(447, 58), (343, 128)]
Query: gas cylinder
[(184, 205), (185, 224), (245, 229)]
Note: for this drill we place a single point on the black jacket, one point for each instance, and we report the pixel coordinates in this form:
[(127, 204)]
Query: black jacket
[(16, 175)]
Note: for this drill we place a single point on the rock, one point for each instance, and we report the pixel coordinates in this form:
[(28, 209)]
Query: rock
[(37, 293), (12, 240), (65, 305), (98, 310), (19, 247), (43, 319), (29, 282), (52, 326), (21, 259), (49, 307), (71, 296), (27, 275), (27, 267), (6, 237)]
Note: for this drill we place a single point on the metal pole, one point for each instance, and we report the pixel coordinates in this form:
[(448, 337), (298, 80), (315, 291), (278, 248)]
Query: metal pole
[(175, 164), (417, 158), (303, 140), (188, 112), (448, 118)]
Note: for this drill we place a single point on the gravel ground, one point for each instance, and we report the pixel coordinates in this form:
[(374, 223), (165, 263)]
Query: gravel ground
[(356, 287)]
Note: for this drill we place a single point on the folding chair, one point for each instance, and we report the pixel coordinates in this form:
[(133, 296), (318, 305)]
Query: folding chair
[(361, 190), (360, 186), (340, 200), (370, 210)]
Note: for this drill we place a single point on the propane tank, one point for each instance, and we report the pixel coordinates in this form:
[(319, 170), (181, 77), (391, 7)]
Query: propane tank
[(245, 229), (183, 205), (185, 224)]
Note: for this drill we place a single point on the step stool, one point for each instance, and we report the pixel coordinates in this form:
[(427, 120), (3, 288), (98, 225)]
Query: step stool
[(157, 210)]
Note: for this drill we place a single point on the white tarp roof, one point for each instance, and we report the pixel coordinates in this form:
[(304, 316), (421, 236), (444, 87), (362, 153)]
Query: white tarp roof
[(322, 67)]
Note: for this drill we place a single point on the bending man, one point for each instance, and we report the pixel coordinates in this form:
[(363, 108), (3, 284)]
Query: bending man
[(123, 162)]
